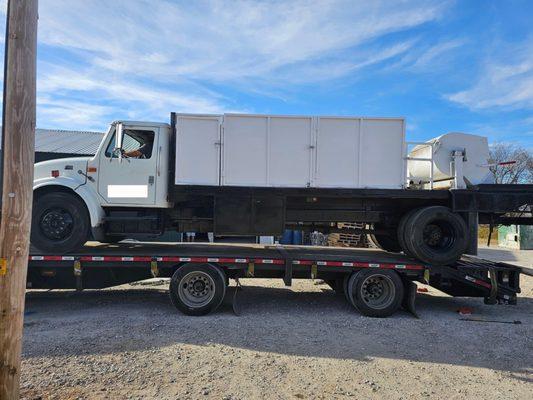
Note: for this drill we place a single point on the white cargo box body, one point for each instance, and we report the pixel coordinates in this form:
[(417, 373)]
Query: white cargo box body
[(290, 151)]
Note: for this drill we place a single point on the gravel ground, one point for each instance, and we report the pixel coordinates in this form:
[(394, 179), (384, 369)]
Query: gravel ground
[(302, 342)]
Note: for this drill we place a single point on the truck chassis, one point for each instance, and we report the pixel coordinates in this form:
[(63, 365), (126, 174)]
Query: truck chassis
[(375, 282)]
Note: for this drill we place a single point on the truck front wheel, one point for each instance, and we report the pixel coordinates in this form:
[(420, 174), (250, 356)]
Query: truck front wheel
[(60, 223)]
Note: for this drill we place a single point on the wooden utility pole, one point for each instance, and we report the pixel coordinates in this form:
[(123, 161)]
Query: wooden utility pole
[(18, 143)]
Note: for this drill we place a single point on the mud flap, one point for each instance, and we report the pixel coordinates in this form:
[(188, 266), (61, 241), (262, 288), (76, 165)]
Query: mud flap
[(409, 297)]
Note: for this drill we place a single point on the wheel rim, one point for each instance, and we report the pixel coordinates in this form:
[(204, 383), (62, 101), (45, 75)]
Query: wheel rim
[(439, 236), (196, 289), (377, 291), (56, 223)]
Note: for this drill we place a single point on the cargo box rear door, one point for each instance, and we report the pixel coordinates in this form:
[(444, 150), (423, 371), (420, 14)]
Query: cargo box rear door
[(197, 150)]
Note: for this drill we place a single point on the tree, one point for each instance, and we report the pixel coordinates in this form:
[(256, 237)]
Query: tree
[(521, 171)]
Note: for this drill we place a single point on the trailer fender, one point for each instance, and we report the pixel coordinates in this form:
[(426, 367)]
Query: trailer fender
[(85, 192)]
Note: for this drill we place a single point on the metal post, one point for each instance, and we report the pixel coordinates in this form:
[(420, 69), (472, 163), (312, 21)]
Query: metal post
[(473, 226), (431, 167), (457, 160)]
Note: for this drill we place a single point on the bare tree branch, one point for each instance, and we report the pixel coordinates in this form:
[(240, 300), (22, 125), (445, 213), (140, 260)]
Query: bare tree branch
[(520, 172)]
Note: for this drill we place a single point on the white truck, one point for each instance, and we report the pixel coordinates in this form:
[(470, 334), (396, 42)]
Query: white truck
[(237, 174)]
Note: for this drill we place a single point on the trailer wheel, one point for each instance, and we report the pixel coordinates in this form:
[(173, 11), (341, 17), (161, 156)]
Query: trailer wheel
[(375, 293), (197, 289), (60, 222), (384, 241), (436, 235)]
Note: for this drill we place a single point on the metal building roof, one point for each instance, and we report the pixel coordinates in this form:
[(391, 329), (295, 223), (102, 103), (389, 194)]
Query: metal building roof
[(71, 142)]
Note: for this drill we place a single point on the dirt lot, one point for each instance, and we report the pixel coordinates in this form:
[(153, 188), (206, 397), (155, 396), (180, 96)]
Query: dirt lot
[(302, 342)]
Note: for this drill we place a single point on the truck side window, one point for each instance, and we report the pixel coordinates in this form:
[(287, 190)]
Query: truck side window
[(110, 147), (136, 142)]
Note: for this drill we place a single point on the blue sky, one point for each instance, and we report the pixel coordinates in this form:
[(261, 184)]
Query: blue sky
[(444, 65)]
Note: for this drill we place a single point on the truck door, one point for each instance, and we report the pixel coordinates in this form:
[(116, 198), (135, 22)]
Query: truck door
[(128, 167)]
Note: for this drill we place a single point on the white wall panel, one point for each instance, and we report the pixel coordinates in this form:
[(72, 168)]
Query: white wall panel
[(245, 151), (337, 152), (197, 150), (290, 152), (382, 151)]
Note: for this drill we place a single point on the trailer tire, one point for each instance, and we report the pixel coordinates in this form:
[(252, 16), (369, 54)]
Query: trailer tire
[(337, 285), (436, 235), (385, 242), (197, 289), (60, 222), (376, 293), (345, 287)]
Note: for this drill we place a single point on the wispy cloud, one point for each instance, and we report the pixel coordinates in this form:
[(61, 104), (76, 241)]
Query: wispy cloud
[(145, 58), (130, 98), (71, 113), (506, 80), (433, 54), (427, 56), (220, 40)]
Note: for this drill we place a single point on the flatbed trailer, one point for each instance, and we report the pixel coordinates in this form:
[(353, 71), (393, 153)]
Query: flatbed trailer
[(375, 282)]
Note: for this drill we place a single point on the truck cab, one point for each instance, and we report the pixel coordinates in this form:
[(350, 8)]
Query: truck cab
[(73, 196), (131, 165)]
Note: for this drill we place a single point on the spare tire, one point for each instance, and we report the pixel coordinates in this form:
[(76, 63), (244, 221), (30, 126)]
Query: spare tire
[(436, 235)]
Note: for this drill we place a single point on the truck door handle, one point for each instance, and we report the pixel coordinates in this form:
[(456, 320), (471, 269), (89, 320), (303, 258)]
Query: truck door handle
[(151, 180)]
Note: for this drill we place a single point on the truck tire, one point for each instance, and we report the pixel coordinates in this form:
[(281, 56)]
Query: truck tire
[(376, 293), (385, 242), (197, 289), (401, 231), (113, 239), (436, 235), (60, 223)]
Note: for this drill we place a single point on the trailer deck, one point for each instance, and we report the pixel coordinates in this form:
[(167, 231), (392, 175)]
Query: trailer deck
[(104, 265)]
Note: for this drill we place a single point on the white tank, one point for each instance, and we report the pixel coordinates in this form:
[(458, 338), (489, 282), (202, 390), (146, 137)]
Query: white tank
[(475, 164)]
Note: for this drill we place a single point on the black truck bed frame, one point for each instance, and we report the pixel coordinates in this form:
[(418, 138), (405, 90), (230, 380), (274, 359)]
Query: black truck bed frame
[(102, 265)]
